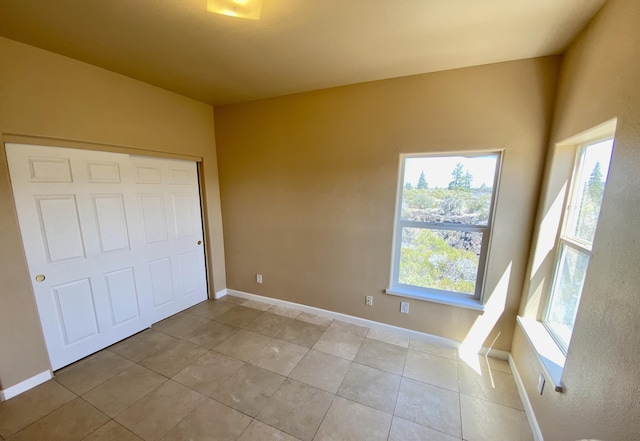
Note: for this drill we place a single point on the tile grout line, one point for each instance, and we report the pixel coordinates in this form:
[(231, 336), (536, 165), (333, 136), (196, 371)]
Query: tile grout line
[(98, 410), (324, 416), (431, 428), (138, 362), (248, 362), (460, 402), (395, 406), (48, 413), (492, 402), (57, 408)]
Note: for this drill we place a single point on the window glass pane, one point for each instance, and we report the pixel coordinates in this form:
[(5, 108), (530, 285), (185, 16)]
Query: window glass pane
[(589, 186), (441, 259), (563, 305), (454, 189)]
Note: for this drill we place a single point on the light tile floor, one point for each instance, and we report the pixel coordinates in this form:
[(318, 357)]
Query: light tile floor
[(238, 370)]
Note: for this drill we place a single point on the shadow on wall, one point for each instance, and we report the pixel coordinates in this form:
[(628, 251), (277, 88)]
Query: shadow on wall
[(483, 325)]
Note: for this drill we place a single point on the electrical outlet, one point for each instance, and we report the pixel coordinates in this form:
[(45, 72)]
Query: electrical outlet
[(404, 307), (541, 381), (368, 300), (258, 278)]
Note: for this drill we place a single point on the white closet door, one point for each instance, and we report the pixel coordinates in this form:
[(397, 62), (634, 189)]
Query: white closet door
[(94, 277), (169, 202)]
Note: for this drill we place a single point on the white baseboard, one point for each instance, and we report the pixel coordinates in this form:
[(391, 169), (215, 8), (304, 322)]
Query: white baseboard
[(221, 293), (495, 353), (528, 409), (25, 385)]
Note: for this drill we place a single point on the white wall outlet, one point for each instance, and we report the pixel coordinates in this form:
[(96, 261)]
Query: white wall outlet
[(368, 300), (404, 307), (258, 278), (541, 381)]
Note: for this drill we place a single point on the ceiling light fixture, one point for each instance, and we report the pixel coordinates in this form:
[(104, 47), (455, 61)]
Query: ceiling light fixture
[(236, 8)]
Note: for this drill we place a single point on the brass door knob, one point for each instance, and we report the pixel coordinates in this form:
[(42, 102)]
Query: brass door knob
[(40, 278), (199, 242)]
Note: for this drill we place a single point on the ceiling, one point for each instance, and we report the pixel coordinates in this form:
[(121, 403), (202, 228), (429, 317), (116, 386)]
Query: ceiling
[(297, 45)]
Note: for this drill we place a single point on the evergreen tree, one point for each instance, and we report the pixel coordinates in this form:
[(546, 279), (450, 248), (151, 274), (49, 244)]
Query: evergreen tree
[(595, 187), (422, 181), (461, 178), (457, 175), (590, 204), (466, 180), (408, 186)]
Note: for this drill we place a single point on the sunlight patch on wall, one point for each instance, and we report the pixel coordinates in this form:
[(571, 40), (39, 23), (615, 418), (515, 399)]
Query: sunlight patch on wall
[(549, 229), (485, 323)]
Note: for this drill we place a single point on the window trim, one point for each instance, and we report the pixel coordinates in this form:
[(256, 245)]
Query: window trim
[(468, 301), (568, 240), (558, 167)]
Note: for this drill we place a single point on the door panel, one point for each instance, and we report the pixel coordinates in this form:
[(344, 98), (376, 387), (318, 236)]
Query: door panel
[(59, 222), (180, 176), (111, 223), (155, 224), (49, 169), (183, 215), (189, 264), (76, 309), (115, 239), (149, 175), (123, 296), (162, 281), (103, 171)]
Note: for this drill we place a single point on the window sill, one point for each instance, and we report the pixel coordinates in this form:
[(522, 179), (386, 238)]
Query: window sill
[(458, 302), (549, 354)]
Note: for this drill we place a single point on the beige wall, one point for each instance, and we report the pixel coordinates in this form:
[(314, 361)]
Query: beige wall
[(43, 94), (600, 80), (308, 185)]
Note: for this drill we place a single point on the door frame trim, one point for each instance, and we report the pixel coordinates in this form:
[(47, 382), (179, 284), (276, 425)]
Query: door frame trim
[(50, 141), (47, 141), (43, 141)]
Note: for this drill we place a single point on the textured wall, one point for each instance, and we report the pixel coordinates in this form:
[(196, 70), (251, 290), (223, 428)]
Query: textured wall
[(599, 81)]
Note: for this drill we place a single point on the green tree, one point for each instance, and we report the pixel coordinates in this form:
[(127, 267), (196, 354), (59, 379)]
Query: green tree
[(422, 181), (456, 174), (589, 209), (595, 187), (427, 260), (461, 179), (466, 180), (408, 186), (416, 199)]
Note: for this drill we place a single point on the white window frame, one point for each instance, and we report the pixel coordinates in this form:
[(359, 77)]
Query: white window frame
[(470, 301), (565, 239)]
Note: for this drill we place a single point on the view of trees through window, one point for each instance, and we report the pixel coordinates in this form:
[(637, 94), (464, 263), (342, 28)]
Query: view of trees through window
[(444, 216), (576, 238), (583, 223)]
